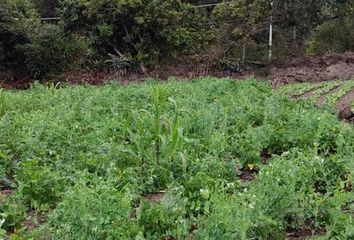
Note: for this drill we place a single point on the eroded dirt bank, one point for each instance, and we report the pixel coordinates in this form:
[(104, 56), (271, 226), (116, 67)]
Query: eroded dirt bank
[(313, 69)]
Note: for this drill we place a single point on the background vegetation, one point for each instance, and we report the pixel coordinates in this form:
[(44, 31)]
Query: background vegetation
[(132, 36)]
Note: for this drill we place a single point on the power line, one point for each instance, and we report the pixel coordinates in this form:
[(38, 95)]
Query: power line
[(50, 19), (210, 4)]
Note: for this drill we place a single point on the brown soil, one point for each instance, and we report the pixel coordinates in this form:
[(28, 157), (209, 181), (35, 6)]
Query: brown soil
[(343, 107), (34, 220), (247, 175), (22, 84), (154, 197), (304, 234), (265, 156), (4, 194), (313, 69), (304, 69)]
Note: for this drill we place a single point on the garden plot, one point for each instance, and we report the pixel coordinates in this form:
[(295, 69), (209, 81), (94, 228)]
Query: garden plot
[(207, 159)]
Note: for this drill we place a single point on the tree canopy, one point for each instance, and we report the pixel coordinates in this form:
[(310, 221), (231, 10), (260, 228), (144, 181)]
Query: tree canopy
[(152, 32)]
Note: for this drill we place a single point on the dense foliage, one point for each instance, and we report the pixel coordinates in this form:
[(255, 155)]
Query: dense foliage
[(128, 36), (31, 48), (87, 159), (47, 8), (17, 19), (141, 30)]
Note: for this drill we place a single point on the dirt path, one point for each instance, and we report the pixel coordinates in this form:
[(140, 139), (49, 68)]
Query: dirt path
[(343, 107)]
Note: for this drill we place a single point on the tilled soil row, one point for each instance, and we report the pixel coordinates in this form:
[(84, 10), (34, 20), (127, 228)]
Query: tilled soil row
[(307, 94), (343, 107), (323, 97)]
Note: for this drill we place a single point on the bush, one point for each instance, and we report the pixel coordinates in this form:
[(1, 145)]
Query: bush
[(29, 48), (335, 36), (51, 52), (140, 30), (18, 18)]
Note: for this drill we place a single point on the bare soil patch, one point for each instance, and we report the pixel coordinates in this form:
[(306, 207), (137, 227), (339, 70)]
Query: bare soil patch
[(248, 175), (313, 69), (34, 220), (4, 194), (154, 197), (305, 234)]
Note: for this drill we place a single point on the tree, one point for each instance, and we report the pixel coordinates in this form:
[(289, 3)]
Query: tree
[(243, 21), (47, 8), (18, 19), (143, 30)]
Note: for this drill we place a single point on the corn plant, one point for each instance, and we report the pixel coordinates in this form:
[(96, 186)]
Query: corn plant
[(3, 103), (159, 103)]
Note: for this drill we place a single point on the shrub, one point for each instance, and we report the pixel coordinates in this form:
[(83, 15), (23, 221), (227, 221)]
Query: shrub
[(334, 36), (18, 19), (51, 51), (142, 30)]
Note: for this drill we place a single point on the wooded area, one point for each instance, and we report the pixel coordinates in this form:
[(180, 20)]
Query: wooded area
[(131, 36)]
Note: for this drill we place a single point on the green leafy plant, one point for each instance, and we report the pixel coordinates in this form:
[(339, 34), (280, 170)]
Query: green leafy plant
[(2, 231), (51, 51), (38, 185), (100, 212), (13, 213), (3, 103), (164, 219), (103, 151), (120, 65)]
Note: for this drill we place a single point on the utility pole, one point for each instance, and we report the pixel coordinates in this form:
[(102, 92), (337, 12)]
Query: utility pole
[(271, 31)]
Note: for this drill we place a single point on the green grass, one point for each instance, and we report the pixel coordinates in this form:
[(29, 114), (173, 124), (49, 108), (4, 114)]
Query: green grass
[(86, 156)]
